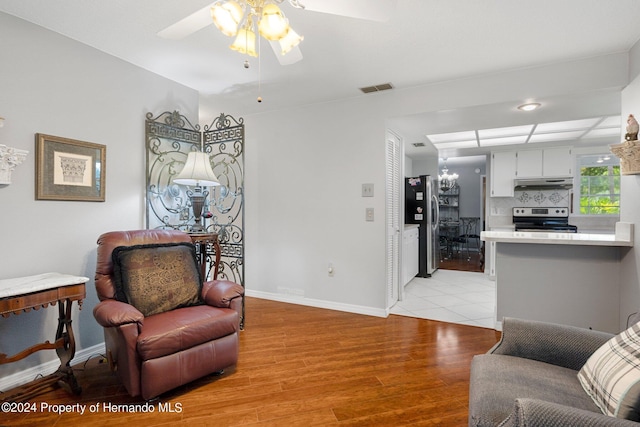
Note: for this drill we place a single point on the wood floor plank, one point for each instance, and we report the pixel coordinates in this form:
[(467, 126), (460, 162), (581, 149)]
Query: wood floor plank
[(304, 366)]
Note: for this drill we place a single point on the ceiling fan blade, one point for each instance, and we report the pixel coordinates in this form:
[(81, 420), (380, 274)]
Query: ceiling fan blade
[(189, 25), (293, 56), (372, 10)]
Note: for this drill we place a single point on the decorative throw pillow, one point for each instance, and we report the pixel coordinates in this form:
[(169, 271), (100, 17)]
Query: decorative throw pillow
[(157, 278), (611, 376)]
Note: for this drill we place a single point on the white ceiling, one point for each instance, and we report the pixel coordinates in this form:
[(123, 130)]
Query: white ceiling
[(424, 41)]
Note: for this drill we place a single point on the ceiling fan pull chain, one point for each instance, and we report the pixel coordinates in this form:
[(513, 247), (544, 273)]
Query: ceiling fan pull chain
[(259, 72)]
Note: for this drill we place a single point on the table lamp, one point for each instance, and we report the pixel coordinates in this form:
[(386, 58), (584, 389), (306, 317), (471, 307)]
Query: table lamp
[(197, 172)]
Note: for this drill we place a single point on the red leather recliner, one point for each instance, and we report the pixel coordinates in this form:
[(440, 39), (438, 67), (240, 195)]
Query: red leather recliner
[(154, 354)]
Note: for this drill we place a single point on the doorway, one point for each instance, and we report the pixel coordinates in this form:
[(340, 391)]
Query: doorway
[(462, 213)]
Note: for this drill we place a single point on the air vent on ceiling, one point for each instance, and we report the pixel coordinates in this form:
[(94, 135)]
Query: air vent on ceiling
[(418, 144), (377, 88)]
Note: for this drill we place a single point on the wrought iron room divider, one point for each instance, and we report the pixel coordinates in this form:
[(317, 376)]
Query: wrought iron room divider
[(169, 138)]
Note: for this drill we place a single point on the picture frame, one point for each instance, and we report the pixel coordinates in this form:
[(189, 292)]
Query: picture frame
[(68, 169)]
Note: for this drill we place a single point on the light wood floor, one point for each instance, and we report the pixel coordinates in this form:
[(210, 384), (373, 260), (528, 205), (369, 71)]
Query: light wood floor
[(302, 366)]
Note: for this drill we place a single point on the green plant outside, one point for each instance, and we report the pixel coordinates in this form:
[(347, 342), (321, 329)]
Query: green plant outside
[(600, 190)]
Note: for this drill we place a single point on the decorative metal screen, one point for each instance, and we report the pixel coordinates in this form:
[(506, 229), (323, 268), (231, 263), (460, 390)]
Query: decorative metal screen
[(169, 138)]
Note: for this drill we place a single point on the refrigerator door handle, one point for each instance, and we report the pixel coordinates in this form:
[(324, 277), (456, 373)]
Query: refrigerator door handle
[(435, 201)]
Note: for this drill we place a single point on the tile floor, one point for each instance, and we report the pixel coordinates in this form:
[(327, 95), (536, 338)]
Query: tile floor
[(451, 296)]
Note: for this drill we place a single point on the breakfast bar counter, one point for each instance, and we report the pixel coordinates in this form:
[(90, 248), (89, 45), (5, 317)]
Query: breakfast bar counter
[(623, 236), (569, 278)]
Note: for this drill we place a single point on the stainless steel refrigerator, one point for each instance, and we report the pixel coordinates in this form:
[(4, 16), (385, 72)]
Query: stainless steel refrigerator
[(421, 207)]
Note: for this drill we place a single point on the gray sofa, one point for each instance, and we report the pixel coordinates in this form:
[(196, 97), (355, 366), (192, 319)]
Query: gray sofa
[(530, 378)]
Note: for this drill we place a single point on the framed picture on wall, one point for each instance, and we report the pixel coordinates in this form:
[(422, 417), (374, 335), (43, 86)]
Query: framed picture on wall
[(67, 169)]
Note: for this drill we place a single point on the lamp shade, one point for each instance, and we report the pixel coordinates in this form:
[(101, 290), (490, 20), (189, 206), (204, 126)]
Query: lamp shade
[(197, 171)]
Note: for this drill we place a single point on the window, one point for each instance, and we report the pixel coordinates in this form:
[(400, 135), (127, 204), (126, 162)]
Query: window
[(599, 191)]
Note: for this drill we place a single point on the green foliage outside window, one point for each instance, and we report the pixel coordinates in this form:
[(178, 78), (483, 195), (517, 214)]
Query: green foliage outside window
[(600, 190)]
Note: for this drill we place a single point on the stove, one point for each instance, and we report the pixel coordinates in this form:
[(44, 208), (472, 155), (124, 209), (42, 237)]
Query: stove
[(555, 219)]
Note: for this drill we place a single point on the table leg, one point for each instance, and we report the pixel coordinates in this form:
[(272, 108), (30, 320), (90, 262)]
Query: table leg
[(65, 347)]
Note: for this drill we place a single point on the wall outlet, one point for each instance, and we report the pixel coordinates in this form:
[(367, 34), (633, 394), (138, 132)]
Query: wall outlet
[(369, 214), (367, 190)]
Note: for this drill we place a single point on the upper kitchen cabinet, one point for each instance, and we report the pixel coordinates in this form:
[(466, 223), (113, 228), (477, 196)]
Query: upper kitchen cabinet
[(557, 162), (529, 163), (545, 163), (503, 172)]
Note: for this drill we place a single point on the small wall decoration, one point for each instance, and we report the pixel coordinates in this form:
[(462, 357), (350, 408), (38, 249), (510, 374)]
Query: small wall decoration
[(629, 150), (10, 158), (67, 169)]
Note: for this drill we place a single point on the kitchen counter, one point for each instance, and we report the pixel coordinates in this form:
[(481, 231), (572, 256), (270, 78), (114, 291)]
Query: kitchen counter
[(623, 236), (539, 278)]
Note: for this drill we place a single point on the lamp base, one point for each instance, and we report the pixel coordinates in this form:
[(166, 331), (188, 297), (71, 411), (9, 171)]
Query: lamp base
[(197, 204)]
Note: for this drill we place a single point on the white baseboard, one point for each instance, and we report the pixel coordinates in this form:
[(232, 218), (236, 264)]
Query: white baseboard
[(293, 299), (44, 369)]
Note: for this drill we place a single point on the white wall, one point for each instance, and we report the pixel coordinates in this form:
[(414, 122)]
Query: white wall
[(630, 204), (305, 168), (51, 84)]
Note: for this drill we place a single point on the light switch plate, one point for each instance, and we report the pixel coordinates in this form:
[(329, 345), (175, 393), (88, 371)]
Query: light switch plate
[(369, 214), (367, 190)]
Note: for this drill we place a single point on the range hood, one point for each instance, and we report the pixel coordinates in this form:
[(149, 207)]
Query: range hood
[(544, 184)]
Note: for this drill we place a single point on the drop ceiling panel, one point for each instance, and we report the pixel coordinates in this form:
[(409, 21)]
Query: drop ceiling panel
[(452, 136), (556, 136), (566, 125), (456, 144), (509, 140), (505, 131)]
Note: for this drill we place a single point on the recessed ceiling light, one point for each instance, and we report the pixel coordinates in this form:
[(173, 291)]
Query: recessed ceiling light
[(529, 107)]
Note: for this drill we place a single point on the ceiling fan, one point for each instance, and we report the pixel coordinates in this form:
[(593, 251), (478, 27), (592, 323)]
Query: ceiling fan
[(239, 18)]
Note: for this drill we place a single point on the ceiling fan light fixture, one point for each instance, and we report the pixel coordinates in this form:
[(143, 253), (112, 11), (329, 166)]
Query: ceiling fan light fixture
[(273, 25), (226, 15), (288, 42), (245, 42)]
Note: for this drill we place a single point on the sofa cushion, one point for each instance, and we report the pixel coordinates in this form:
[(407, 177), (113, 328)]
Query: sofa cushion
[(611, 376), (157, 278), (183, 328), (497, 380)]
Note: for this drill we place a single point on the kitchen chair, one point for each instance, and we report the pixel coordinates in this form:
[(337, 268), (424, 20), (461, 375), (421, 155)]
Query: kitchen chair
[(163, 326), (469, 228)]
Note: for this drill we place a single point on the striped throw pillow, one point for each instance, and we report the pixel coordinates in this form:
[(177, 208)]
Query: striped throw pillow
[(611, 376)]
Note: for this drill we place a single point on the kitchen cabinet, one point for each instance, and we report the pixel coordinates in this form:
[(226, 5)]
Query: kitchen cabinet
[(410, 254), (503, 172), (529, 164), (557, 162), (545, 163)]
